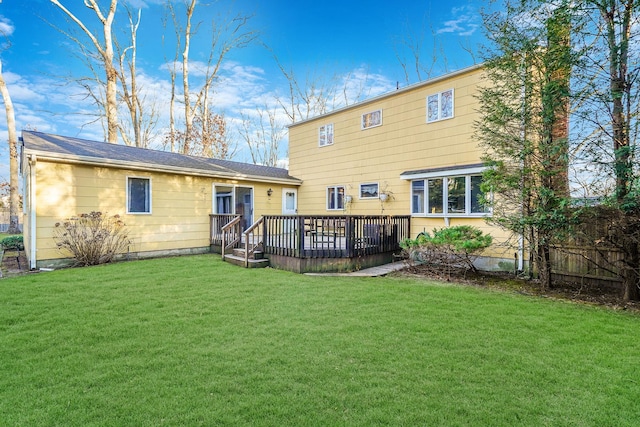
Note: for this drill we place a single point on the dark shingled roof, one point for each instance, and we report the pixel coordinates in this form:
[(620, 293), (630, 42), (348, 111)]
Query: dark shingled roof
[(76, 149)]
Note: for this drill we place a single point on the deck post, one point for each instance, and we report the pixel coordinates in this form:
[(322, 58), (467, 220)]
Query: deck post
[(350, 235), (300, 229)]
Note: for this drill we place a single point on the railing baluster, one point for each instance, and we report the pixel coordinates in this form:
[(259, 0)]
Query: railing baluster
[(322, 236)]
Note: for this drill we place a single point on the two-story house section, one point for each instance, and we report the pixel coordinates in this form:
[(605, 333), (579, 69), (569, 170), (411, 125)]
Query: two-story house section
[(411, 151)]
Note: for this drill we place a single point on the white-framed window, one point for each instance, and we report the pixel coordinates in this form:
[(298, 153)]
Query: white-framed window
[(369, 190), (440, 106), (325, 135), (335, 198), (138, 195), (371, 119), (459, 195)]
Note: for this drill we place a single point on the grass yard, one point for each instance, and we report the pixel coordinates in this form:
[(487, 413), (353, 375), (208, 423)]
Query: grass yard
[(195, 341)]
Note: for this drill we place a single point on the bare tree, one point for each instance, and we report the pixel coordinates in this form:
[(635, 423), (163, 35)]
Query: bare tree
[(612, 98), (14, 198), (106, 53), (263, 133), (142, 114), (319, 92), (212, 133), (416, 64), (227, 34)]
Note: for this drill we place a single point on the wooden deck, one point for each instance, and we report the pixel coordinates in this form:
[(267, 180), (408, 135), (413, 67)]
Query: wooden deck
[(319, 242)]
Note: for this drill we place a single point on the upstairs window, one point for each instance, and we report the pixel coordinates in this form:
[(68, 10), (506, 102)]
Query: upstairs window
[(325, 135), (440, 106), (138, 195), (372, 119)]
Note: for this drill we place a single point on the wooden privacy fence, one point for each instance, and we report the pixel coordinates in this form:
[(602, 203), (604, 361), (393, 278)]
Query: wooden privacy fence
[(578, 259), (585, 264)]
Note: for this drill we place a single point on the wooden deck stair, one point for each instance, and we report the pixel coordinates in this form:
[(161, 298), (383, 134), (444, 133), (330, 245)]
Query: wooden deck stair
[(256, 260)]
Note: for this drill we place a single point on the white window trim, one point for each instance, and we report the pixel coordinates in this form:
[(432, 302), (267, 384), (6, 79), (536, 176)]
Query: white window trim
[(362, 127), (323, 130), (446, 173), (445, 198), (150, 195), (371, 197), (440, 118), (326, 197)]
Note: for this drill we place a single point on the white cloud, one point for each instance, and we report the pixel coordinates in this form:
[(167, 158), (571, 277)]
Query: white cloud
[(20, 89), (465, 22), (138, 4), (6, 27)]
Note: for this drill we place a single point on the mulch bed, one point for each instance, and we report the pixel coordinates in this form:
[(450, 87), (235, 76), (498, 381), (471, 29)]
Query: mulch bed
[(14, 263), (507, 282)]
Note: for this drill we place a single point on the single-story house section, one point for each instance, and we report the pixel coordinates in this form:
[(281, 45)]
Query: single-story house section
[(165, 199)]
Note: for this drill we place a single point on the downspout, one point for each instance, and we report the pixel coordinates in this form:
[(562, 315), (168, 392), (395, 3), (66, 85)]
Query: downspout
[(32, 211), (523, 98)]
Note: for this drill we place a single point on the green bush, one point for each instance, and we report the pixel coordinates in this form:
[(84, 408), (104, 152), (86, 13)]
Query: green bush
[(13, 243), (449, 247)]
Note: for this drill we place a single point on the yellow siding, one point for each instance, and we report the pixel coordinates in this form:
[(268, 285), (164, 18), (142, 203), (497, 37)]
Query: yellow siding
[(404, 142), (180, 205)]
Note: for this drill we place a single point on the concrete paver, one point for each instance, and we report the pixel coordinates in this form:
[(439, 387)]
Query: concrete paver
[(380, 270)]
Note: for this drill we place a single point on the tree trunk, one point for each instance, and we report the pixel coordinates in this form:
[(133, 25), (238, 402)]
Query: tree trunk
[(617, 18), (112, 78), (631, 270), (544, 266), (188, 108), (106, 53), (630, 280), (14, 198)]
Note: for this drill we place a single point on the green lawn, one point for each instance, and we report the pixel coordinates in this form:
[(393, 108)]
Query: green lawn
[(194, 341)]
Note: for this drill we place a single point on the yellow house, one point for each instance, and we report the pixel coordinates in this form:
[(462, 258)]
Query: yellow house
[(408, 152), (361, 179), (164, 198)]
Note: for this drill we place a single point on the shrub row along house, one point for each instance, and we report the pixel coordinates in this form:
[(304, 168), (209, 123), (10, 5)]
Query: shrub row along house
[(361, 178)]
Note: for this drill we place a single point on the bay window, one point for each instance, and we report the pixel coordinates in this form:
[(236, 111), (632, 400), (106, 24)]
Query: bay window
[(459, 195)]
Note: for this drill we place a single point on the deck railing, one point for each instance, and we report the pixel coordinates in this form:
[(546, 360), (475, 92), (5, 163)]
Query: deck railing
[(231, 235), (217, 222), (252, 239), (329, 236), (315, 236)]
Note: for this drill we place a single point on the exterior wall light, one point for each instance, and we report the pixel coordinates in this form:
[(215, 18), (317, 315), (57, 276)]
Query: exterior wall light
[(269, 192)]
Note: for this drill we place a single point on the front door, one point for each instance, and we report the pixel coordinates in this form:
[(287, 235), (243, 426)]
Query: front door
[(289, 201), (244, 206), (234, 200)]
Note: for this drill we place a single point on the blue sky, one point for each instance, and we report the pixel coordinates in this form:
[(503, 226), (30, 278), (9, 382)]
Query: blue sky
[(359, 39)]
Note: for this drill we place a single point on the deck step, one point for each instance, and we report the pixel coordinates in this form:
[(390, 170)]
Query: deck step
[(239, 260), (239, 252)]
